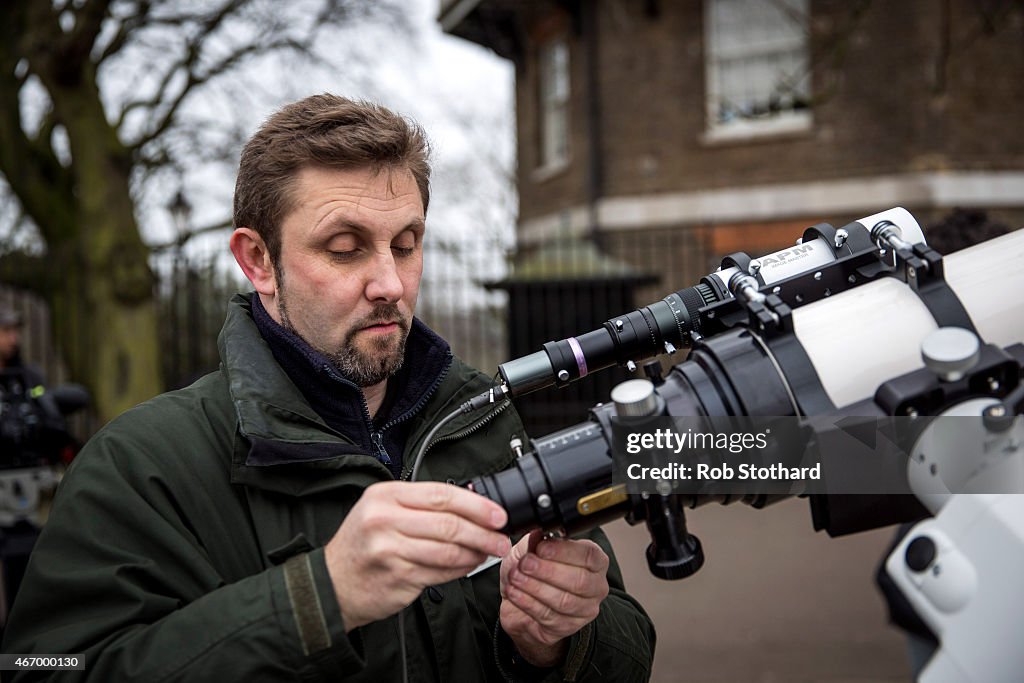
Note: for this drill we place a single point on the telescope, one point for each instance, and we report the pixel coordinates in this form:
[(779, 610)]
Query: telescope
[(864, 322)]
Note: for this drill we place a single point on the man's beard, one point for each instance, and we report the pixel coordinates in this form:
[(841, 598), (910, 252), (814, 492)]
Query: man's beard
[(384, 359), (363, 368)]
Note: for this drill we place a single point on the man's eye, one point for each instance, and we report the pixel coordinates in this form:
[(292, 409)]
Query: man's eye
[(403, 251), (344, 255)]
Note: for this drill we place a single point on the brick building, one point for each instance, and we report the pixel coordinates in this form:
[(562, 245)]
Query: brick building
[(673, 132), (738, 122)]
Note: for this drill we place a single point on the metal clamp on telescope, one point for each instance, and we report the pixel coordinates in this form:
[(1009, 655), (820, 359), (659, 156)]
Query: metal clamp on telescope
[(921, 267), (860, 256), (574, 491)]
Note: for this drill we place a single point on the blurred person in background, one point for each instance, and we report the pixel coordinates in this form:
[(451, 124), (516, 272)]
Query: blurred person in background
[(33, 438), (10, 346), (20, 383)]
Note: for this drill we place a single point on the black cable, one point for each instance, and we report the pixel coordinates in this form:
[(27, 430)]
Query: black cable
[(401, 645), (418, 460), (489, 397)]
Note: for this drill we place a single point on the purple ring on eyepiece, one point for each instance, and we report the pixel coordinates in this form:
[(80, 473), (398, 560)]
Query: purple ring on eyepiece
[(581, 360)]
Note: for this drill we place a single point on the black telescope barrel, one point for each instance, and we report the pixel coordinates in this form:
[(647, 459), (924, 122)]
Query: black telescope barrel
[(544, 487), (634, 336), (727, 374)]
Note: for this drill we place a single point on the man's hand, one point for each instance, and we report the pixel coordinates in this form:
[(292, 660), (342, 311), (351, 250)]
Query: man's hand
[(401, 537), (550, 590)]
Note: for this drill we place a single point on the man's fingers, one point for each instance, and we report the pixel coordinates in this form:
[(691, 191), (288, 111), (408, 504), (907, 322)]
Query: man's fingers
[(535, 537), (557, 599), (419, 578), (515, 620), (548, 618), (450, 529), (447, 498), (578, 553), (439, 555)]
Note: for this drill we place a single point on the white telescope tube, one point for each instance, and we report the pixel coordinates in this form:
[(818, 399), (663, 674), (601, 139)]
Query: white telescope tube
[(862, 337)]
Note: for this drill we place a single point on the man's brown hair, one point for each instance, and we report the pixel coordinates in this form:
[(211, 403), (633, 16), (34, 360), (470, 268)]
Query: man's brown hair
[(328, 131)]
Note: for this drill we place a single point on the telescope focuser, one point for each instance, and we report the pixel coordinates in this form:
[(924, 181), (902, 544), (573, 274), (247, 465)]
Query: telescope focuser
[(674, 553)]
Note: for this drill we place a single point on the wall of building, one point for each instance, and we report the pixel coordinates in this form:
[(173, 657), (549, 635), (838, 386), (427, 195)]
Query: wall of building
[(896, 92), (917, 104)]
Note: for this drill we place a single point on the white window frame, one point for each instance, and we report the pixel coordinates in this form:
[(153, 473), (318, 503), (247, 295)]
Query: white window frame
[(554, 87), (784, 121)]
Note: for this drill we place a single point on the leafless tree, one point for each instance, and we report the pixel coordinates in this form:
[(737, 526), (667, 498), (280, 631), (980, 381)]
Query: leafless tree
[(92, 95)]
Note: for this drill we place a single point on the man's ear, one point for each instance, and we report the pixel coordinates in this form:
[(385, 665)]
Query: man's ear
[(253, 258)]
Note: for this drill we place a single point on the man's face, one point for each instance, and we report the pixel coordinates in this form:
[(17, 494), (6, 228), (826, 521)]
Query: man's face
[(350, 264), (9, 337)]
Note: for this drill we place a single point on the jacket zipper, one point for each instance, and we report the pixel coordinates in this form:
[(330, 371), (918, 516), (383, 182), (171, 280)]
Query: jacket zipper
[(378, 441), (462, 433), (377, 435)]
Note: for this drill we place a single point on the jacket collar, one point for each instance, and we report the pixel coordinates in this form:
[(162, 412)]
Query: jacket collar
[(267, 402), (339, 401), (271, 407)]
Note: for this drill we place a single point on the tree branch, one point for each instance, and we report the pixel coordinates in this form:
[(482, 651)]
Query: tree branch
[(194, 79), (207, 25), (185, 237), (209, 22), (129, 25), (186, 63), (88, 22), (30, 167), (42, 138)]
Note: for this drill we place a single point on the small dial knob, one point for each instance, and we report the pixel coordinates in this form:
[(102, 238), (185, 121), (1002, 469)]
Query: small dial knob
[(635, 398), (950, 352), (920, 553)]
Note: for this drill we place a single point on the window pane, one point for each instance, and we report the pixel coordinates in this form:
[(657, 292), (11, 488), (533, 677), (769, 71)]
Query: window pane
[(758, 64), (554, 102)]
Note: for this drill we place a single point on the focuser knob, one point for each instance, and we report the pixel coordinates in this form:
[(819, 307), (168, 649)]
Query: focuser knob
[(636, 398), (950, 352)]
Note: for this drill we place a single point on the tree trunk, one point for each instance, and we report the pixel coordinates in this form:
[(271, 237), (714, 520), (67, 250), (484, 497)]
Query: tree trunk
[(96, 277), (104, 308), (109, 344)]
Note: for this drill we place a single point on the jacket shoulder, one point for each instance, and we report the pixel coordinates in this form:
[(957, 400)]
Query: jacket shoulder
[(191, 427)]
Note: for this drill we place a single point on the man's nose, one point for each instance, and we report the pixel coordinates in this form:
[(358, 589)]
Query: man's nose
[(384, 283)]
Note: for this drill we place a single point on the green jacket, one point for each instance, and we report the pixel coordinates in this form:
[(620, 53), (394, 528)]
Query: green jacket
[(171, 555)]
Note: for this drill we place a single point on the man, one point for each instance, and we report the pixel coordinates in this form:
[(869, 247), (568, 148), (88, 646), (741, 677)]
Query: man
[(19, 381), (10, 346), (10, 332), (32, 437), (250, 527)]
